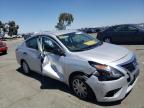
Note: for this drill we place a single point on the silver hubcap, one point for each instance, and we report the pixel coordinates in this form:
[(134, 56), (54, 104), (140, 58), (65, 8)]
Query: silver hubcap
[(25, 67), (80, 88), (107, 40)]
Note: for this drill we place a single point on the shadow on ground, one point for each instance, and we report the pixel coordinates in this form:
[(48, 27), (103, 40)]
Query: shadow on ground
[(1, 54), (48, 83)]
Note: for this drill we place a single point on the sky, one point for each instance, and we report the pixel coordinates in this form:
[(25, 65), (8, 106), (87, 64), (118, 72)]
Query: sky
[(41, 15)]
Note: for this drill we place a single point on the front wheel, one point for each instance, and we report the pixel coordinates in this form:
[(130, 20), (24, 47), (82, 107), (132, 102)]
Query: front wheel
[(80, 88), (5, 52)]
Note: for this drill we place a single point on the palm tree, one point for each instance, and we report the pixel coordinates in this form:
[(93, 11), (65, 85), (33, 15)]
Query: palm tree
[(65, 19)]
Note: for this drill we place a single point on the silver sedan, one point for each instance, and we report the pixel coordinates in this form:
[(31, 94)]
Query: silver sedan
[(92, 69)]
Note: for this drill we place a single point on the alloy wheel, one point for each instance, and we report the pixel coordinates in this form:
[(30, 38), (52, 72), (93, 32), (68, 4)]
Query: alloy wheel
[(79, 88), (25, 67)]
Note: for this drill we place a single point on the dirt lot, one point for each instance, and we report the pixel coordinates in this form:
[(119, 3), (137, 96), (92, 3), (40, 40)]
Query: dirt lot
[(20, 91)]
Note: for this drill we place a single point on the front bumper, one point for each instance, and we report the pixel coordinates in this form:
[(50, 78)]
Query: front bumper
[(108, 91)]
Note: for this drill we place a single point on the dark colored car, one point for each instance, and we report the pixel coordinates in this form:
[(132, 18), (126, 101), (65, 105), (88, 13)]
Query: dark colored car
[(90, 30), (3, 47), (128, 33), (26, 36)]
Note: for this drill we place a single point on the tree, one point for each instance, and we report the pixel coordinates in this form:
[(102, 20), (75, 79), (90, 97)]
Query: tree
[(5, 28), (16, 30), (65, 19), (13, 28), (60, 26)]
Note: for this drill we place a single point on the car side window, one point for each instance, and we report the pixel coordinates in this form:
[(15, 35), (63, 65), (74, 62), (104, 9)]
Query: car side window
[(119, 28), (49, 45), (130, 28), (32, 43)]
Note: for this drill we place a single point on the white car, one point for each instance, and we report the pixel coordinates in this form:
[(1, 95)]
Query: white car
[(90, 67)]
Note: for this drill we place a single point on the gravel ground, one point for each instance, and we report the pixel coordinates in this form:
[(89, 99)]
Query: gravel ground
[(20, 91)]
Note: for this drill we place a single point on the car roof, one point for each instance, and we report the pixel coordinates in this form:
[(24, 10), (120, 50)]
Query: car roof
[(56, 32), (123, 25), (111, 27)]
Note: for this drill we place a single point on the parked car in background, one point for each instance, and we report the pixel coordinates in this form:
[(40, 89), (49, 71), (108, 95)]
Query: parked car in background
[(26, 36), (3, 47), (127, 33), (91, 30), (19, 36), (90, 67)]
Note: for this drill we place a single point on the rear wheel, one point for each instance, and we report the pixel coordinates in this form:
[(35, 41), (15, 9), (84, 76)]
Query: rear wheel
[(107, 39), (80, 88), (25, 67)]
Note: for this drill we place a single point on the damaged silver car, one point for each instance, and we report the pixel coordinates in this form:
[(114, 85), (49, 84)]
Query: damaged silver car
[(90, 67)]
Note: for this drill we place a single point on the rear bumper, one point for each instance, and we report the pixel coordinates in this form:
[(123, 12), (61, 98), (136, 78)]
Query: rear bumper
[(3, 49), (108, 91)]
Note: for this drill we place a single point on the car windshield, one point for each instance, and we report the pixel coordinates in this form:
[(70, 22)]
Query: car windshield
[(79, 41)]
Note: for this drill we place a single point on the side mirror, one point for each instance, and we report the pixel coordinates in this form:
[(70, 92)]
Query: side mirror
[(59, 52)]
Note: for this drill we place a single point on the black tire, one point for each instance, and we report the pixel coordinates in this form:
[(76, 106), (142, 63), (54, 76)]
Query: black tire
[(4, 52), (25, 67), (87, 94), (107, 39)]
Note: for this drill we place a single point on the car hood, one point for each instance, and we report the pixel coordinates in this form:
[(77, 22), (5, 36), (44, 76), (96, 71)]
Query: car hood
[(104, 53)]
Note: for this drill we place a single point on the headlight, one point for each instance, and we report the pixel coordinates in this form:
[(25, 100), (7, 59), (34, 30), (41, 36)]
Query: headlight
[(105, 72)]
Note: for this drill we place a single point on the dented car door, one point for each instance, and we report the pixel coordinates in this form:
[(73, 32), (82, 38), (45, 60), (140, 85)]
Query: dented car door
[(52, 64)]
